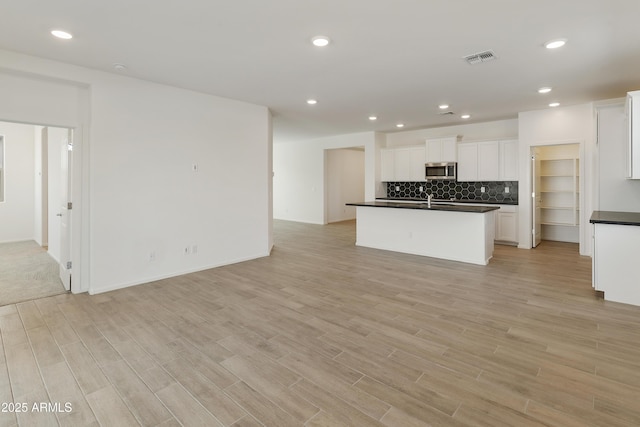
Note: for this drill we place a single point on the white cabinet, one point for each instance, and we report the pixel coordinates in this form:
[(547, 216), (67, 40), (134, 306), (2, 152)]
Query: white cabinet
[(468, 162), (507, 224), (402, 164), (488, 161), (633, 143), (615, 261), (416, 163), (509, 151), (387, 164), (442, 149)]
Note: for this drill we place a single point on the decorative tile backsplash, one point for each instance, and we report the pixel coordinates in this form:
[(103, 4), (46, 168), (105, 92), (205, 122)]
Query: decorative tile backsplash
[(495, 191)]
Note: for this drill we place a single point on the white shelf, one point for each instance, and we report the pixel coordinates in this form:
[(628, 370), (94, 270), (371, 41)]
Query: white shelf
[(560, 195), (571, 208)]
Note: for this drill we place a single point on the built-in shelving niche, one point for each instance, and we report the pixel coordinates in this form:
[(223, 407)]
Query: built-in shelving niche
[(559, 177)]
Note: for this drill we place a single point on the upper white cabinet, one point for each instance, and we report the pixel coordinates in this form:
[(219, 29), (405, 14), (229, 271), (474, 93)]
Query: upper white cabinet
[(633, 144), (509, 160), (468, 162), (488, 161), (416, 163), (442, 149), (402, 164), (387, 164)]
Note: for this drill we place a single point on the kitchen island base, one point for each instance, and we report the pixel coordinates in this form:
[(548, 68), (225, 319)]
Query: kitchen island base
[(457, 236), (616, 245)]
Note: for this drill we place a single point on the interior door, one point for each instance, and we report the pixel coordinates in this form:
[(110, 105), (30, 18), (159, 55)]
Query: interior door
[(66, 210), (536, 204)]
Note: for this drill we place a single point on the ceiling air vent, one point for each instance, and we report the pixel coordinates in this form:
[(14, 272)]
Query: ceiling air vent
[(446, 113), (479, 57)]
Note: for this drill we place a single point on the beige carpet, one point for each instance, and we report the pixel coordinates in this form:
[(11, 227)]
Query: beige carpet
[(27, 272)]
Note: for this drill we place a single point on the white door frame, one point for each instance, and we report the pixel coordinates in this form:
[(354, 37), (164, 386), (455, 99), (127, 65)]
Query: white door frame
[(64, 103), (584, 216), (78, 238)]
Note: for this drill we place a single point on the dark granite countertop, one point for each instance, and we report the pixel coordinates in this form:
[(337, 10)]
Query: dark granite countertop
[(618, 218), (482, 202), (424, 206)]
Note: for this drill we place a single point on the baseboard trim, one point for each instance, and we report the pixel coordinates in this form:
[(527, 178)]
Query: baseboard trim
[(115, 287)]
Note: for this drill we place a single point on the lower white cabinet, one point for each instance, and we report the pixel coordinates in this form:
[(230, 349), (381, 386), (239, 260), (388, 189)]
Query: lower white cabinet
[(615, 262), (507, 224)]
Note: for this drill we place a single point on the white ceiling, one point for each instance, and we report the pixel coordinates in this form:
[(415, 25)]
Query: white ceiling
[(396, 59)]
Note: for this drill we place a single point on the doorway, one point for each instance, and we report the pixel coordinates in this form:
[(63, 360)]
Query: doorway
[(344, 182), (556, 187), (35, 237)]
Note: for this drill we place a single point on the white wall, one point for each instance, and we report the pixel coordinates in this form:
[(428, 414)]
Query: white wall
[(16, 212), (299, 175), (615, 191), (345, 183), (561, 125), (500, 129), (135, 143)]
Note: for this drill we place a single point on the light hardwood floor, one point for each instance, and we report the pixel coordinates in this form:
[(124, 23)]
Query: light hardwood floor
[(324, 333)]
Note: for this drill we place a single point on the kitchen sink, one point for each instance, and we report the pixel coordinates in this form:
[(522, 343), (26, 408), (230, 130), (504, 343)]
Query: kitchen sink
[(439, 203), (426, 205)]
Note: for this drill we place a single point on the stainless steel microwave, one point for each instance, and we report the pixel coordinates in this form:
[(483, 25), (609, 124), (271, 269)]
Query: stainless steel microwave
[(443, 170)]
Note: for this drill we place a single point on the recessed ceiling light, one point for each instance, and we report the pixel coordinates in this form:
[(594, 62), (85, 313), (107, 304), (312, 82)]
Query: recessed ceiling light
[(554, 44), (119, 67), (372, 118), (320, 41), (312, 101), (544, 90), (443, 106), (465, 116), (554, 104), (400, 125), (61, 34)]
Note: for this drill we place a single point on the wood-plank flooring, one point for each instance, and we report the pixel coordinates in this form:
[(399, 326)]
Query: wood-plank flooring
[(323, 333)]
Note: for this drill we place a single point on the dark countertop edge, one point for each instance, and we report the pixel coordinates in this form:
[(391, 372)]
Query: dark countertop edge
[(615, 218), (481, 202), (422, 206)]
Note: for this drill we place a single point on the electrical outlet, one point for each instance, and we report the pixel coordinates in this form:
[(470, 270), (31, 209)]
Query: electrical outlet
[(421, 189), (152, 256), (483, 189), (194, 249), (397, 188), (187, 250), (506, 190)]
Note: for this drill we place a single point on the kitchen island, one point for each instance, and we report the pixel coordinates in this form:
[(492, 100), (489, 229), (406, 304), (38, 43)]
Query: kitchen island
[(458, 233), (616, 245)]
